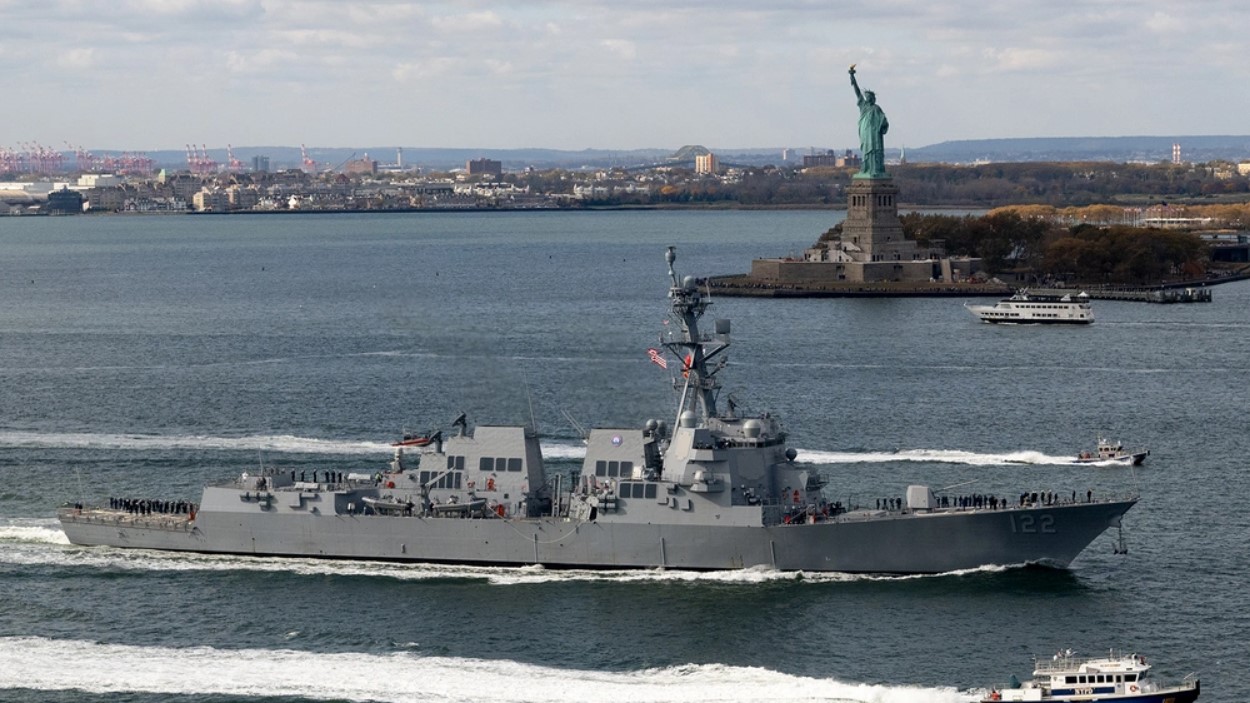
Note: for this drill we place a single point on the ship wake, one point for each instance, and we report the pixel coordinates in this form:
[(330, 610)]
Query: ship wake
[(114, 668), (553, 449)]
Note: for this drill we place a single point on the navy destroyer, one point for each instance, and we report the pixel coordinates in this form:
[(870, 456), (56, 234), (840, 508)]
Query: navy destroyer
[(716, 490)]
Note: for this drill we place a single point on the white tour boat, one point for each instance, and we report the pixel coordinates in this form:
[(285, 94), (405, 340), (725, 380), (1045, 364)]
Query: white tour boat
[(1026, 308)]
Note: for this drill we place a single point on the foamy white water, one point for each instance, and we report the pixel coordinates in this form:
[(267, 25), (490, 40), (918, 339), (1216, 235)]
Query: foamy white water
[(26, 662), (941, 456), (569, 450), (32, 531), (268, 443)]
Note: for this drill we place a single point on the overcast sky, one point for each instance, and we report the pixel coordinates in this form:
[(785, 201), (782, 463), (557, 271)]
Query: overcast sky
[(613, 74)]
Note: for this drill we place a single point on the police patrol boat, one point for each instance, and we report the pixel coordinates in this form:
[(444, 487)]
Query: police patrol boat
[(1123, 678), (717, 490), (1024, 308), (1114, 452)]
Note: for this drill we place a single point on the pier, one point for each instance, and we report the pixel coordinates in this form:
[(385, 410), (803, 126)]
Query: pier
[(743, 285), (1137, 295)]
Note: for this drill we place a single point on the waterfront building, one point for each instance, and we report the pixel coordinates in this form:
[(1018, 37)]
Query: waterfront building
[(847, 159), (211, 200), (361, 166), (98, 180), (484, 167), (105, 199), (706, 164), (64, 202), (242, 197)]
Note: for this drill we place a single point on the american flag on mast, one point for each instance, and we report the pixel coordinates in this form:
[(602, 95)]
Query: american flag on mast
[(657, 358)]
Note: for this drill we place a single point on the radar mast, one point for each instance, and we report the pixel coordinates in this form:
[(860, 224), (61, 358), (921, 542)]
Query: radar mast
[(696, 351)]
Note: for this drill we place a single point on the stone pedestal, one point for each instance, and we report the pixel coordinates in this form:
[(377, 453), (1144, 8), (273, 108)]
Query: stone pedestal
[(872, 222)]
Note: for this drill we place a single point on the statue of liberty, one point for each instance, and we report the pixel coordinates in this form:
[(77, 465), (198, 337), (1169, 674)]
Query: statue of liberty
[(872, 128)]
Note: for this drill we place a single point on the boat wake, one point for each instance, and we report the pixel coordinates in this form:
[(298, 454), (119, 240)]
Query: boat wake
[(31, 531), (934, 456), (291, 444), (113, 668), (40, 542), (141, 442), (554, 449)]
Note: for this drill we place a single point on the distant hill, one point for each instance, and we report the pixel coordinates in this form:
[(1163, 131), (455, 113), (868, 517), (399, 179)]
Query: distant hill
[(1117, 149), (287, 157), (1114, 149), (446, 159)]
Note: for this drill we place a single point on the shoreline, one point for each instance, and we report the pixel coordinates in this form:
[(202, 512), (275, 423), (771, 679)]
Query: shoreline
[(741, 285), (427, 210)]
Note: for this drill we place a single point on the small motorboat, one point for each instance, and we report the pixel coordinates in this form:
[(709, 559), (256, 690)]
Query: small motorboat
[(388, 504), (1115, 677), (472, 507), (1112, 451), (417, 440)]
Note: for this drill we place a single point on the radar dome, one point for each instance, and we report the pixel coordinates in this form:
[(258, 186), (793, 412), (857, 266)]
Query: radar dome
[(688, 419), (791, 453), (751, 428)]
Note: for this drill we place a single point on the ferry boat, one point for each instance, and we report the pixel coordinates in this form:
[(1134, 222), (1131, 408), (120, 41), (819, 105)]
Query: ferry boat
[(1111, 451), (1026, 308), (1114, 677)]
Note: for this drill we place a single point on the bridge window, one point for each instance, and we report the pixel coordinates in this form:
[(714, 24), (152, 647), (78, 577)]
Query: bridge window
[(614, 469), (498, 464), (455, 463), (445, 480)]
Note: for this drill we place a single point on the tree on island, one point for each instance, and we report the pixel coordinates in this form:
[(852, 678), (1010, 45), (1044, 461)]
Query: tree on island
[(1086, 254)]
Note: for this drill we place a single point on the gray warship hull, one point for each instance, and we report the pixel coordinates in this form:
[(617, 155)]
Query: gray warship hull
[(902, 543), (718, 490)]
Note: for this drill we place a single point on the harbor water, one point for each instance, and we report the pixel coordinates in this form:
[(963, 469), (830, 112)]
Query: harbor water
[(146, 356)]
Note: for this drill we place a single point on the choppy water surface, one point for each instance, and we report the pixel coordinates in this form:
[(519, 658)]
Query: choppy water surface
[(148, 356)]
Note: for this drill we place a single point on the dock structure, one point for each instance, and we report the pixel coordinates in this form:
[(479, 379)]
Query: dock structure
[(746, 285), (1138, 295)]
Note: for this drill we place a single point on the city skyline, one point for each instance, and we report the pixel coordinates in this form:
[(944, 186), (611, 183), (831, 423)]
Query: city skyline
[(159, 74)]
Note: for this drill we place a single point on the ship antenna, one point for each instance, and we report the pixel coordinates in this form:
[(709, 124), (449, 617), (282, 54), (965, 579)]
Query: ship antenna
[(529, 398), (82, 493), (687, 305)]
